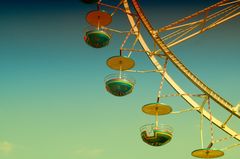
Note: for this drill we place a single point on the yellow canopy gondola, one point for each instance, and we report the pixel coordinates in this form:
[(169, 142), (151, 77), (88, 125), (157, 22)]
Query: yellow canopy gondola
[(155, 134), (97, 37)]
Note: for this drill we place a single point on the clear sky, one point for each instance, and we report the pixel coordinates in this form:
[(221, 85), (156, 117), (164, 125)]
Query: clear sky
[(53, 102)]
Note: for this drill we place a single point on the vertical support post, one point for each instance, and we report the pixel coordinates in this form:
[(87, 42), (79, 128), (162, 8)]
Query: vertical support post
[(156, 118), (98, 26)]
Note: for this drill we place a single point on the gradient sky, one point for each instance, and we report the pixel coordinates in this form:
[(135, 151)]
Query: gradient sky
[(53, 104)]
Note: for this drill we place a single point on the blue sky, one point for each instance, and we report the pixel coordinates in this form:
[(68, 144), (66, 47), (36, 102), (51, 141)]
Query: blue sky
[(53, 103)]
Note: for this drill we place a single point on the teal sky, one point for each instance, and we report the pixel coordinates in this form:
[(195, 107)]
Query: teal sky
[(53, 102)]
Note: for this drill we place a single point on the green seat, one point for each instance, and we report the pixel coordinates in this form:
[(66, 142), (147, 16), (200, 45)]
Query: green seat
[(119, 86), (159, 137), (97, 38)]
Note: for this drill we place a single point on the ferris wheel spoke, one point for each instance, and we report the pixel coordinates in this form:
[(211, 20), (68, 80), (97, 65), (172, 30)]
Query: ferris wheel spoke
[(117, 8), (181, 31), (185, 19), (228, 119), (227, 3)]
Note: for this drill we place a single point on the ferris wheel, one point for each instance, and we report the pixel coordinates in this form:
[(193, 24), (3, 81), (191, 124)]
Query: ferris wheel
[(119, 84)]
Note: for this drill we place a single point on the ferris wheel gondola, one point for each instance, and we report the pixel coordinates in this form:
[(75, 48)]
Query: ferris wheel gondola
[(119, 84), (97, 37)]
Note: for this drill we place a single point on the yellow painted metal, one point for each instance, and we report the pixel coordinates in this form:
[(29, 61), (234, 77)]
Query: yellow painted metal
[(207, 153), (156, 108), (120, 63), (98, 18)]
